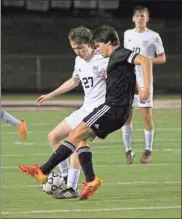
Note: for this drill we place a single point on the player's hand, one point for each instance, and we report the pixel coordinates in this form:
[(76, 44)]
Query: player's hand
[(42, 98), (143, 95)]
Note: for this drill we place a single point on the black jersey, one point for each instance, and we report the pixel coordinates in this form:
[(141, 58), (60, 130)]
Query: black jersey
[(121, 79)]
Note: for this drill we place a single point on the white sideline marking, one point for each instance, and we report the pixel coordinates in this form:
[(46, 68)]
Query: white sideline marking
[(105, 183), (97, 141), (94, 210), (98, 152), (114, 165)]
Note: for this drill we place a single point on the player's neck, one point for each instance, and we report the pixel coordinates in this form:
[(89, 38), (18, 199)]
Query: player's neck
[(140, 29), (90, 55), (113, 48)]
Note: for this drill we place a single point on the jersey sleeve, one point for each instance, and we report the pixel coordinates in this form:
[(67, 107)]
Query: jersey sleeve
[(76, 71), (158, 45), (125, 40), (131, 57)]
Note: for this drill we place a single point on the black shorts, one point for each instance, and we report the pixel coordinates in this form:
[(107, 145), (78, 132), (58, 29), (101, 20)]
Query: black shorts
[(106, 119)]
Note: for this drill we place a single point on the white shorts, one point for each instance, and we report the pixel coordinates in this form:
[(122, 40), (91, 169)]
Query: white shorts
[(149, 102), (76, 117)]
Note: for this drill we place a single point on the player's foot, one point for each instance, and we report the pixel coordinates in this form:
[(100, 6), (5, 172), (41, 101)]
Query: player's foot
[(67, 194), (35, 172), (145, 158), (129, 157), (89, 188), (22, 129)]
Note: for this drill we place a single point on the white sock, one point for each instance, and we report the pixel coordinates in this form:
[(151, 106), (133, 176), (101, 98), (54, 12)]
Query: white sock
[(149, 135), (9, 118), (64, 167), (127, 135), (73, 176)]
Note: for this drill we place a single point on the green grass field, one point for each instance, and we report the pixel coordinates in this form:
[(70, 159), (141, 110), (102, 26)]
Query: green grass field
[(135, 191)]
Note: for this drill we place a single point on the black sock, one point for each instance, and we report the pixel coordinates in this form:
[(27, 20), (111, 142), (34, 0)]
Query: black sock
[(62, 153), (85, 158)]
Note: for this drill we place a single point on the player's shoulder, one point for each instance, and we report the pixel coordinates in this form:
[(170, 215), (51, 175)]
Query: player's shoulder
[(152, 33), (120, 53), (129, 31), (77, 58), (98, 57)]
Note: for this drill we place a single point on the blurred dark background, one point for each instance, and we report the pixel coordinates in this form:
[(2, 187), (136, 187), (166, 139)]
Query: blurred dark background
[(36, 55)]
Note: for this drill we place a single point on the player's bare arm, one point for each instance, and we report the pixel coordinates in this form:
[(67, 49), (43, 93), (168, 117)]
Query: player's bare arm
[(65, 87), (137, 86), (146, 64), (159, 59)]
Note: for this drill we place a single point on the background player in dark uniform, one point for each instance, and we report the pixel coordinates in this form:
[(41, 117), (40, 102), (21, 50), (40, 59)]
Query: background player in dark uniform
[(108, 117)]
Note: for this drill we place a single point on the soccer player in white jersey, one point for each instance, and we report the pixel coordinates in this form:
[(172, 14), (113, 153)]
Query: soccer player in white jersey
[(148, 43), (89, 69), (20, 124)]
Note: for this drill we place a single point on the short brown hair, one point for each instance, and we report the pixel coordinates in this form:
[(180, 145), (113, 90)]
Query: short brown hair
[(141, 8), (106, 33), (80, 35)]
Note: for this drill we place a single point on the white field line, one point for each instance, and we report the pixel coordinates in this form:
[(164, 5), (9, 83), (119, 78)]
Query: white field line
[(97, 141), (105, 183), (135, 130), (94, 210), (94, 152), (114, 165)]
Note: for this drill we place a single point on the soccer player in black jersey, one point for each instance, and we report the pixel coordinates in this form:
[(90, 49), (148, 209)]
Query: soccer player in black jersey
[(108, 117)]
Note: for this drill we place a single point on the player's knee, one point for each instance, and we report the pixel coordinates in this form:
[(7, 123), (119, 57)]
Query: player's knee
[(53, 138)]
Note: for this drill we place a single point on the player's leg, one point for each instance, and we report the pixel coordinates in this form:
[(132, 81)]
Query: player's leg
[(94, 123), (20, 124), (55, 137), (81, 133), (62, 131), (73, 175), (127, 136), (148, 133), (74, 172), (146, 112), (127, 131)]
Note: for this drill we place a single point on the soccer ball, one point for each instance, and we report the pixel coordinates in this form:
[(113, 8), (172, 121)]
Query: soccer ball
[(55, 183)]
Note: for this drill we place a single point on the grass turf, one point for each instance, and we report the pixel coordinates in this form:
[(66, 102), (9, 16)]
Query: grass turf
[(135, 191)]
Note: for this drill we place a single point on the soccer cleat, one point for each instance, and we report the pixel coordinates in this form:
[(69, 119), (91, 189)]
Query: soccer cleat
[(129, 157), (67, 194), (145, 158), (22, 129), (89, 188), (35, 172)]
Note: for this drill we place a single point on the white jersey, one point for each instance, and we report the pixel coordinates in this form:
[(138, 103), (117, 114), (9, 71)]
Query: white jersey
[(89, 72), (147, 43)]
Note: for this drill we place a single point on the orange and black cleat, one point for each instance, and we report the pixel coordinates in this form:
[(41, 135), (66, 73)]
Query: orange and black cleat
[(89, 188), (34, 171)]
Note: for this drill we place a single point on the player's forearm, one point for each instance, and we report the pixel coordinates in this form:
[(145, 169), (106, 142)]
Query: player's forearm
[(146, 64), (137, 86), (147, 72), (65, 87), (159, 59)]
